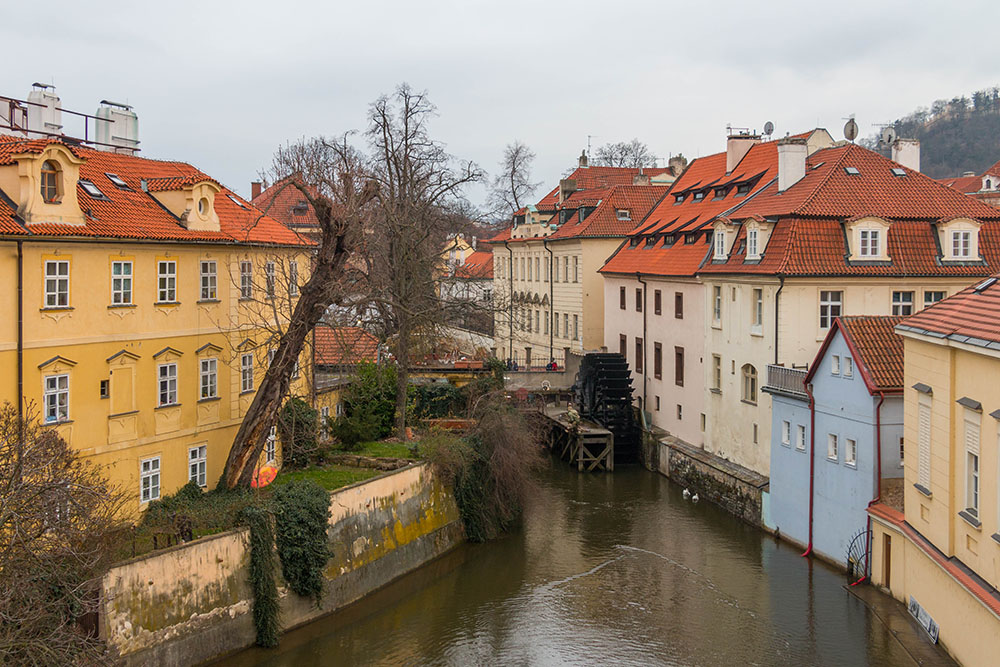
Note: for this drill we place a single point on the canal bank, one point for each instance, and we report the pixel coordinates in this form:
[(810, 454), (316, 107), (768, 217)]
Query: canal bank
[(607, 568)]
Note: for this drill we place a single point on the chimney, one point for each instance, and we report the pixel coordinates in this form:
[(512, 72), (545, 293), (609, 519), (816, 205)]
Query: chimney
[(907, 153), (567, 186), (255, 188), (677, 164), (792, 154), (583, 158), (737, 146), (641, 179), (117, 128), (44, 110)]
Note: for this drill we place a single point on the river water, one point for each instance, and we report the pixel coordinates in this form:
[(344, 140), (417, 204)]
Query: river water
[(608, 569)]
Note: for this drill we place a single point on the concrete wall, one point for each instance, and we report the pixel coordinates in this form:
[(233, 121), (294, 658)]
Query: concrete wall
[(192, 603)]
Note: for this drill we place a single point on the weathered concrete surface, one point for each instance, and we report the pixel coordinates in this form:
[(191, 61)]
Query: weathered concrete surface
[(192, 603)]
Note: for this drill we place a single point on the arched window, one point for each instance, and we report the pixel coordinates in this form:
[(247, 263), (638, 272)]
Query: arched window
[(50, 181), (750, 384), (989, 184)]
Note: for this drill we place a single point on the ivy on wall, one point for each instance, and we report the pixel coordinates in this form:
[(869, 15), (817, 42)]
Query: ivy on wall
[(303, 514), (262, 570)]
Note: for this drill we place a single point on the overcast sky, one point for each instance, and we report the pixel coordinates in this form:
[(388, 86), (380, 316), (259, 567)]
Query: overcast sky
[(222, 84)]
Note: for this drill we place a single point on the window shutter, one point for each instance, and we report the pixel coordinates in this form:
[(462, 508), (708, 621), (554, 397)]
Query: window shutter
[(924, 445), (971, 435)]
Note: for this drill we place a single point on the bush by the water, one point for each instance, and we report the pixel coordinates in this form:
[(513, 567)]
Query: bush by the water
[(303, 512)]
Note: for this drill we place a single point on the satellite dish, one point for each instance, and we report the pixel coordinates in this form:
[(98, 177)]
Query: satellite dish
[(768, 128), (851, 130), (888, 134)]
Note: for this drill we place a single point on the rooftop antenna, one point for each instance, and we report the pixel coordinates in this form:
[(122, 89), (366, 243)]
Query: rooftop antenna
[(887, 135), (768, 129), (589, 137), (850, 129)]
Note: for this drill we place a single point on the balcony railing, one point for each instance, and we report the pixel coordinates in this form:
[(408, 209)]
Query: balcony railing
[(786, 380)]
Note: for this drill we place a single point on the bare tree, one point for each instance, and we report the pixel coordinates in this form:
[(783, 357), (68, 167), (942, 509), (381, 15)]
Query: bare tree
[(632, 154), (59, 523), (512, 185)]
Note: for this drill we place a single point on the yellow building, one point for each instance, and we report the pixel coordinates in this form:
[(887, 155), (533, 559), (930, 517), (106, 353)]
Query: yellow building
[(940, 552), (133, 295)]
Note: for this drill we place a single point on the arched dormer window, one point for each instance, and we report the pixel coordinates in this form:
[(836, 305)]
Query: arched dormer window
[(989, 184), (50, 182)]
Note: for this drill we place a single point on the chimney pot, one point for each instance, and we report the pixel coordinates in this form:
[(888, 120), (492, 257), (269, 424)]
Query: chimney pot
[(583, 158), (255, 188), (906, 152), (792, 154)]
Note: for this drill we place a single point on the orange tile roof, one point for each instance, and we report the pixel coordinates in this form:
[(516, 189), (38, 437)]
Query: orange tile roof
[(603, 221), (877, 348), (478, 265), (964, 184), (971, 316), (134, 214), (591, 178), (660, 259), (344, 346), (285, 203)]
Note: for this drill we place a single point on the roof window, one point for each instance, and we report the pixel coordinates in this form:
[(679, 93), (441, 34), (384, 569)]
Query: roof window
[(898, 171), (698, 196), (633, 242), (720, 192), (668, 239), (678, 198), (650, 241), (742, 188), (623, 214), (690, 239), (118, 182), (92, 189), (852, 171), (237, 202), (989, 282)]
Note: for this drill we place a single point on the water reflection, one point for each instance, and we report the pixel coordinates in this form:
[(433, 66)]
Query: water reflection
[(607, 569)]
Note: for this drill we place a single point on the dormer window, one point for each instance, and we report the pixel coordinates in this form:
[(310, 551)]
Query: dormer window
[(720, 244), (753, 249), (634, 241), (720, 193), (742, 189), (698, 196), (988, 185), (961, 244), (203, 206), (650, 241), (668, 239), (871, 243), (690, 239), (50, 182), (678, 199), (623, 214)]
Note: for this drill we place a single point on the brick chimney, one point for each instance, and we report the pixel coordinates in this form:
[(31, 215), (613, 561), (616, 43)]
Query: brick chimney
[(641, 178), (737, 146), (907, 153), (255, 188), (567, 186), (792, 154)]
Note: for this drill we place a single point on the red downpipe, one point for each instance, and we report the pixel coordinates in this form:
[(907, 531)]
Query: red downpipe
[(878, 480), (812, 463)]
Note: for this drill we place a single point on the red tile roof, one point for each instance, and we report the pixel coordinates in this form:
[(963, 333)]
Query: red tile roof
[(603, 221), (283, 202), (344, 346), (595, 178), (877, 348), (971, 316), (677, 259), (964, 184), (478, 265), (135, 214)]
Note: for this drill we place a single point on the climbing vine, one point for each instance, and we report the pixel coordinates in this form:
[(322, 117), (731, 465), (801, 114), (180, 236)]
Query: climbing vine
[(303, 510), (262, 570)]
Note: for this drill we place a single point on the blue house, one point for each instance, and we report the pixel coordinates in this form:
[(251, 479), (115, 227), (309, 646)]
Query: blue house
[(856, 411)]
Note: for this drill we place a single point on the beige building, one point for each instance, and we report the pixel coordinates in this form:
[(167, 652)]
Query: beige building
[(938, 553)]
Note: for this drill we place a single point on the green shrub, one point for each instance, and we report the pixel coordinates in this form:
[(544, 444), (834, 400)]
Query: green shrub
[(298, 425), (303, 513), (266, 608), (437, 400), (369, 406)]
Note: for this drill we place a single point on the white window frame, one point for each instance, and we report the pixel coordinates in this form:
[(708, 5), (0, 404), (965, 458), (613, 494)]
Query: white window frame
[(198, 465), (828, 302), (56, 398), (149, 479), (57, 283), (786, 433), (717, 304), (832, 447), (121, 283), (270, 279), (166, 281), (209, 378), (753, 244), (757, 325), (851, 452), (800, 440), (166, 386), (246, 372), (929, 295), (720, 244), (835, 364), (623, 214), (246, 279), (848, 367), (973, 463), (870, 243), (209, 280), (902, 302), (270, 445), (961, 243)]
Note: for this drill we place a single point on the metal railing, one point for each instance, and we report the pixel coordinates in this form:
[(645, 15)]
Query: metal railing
[(786, 380)]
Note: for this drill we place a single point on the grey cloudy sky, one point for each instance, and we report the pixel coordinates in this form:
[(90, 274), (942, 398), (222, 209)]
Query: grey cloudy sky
[(222, 84)]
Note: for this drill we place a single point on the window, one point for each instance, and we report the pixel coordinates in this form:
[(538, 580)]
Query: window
[(720, 244), (209, 378), (623, 345), (566, 269), (246, 280), (270, 446), (832, 444), (149, 479), (621, 297), (638, 300), (657, 360), (57, 283), (680, 412), (716, 372), (961, 243), (576, 327), (924, 443), (897, 171), (972, 463), (848, 367), (530, 273), (537, 320), (166, 281), (50, 182), (679, 366), (851, 452), (246, 372), (638, 355), (269, 279), (932, 297), (208, 281), (121, 283), (758, 309), (800, 440), (786, 433), (546, 321), (623, 214), (902, 303), (750, 384), (293, 279), (852, 171), (576, 269), (657, 302), (566, 325), (755, 434), (56, 398), (835, 364), (901, 451), (118, 181), (830, 304), (742, 189), (717, 304), (752, 248), (555, 325), (555, 266), (168, 384), (538, 272), (679, 305), (105, 388), (870, 245), (698, 196), (657, 403), (197, 472), (91, 189)]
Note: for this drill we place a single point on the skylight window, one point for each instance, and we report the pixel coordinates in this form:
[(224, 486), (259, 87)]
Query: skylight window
[(92, 190), (237, 202), (852, 171), (989, 282), (898, 171), (118, 181)]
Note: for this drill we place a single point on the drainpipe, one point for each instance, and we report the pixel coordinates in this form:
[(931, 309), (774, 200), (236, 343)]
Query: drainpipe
[(777, 301), (510, 282), (812, 463), (552, 328), (645, 343), (878, 481), (20, 355)]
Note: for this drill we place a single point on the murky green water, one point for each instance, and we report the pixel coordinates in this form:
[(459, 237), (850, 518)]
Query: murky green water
[(608, 569)]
